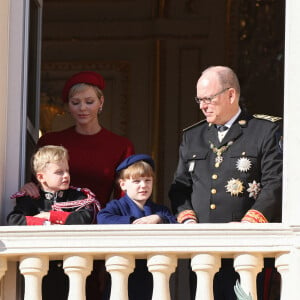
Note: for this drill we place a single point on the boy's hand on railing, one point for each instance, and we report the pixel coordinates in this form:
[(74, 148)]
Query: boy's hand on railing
[(152, 219), (43, 215)]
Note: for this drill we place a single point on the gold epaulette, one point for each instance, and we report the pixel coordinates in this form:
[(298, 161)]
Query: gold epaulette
[(194, 125), (268, 118)]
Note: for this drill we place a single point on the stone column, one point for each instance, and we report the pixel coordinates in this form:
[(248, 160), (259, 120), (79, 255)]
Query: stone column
[(290, 279), (77, 267), (248, 266), (205, 266), (161, 267), (119, 267), (33, 268), (3, 267), (282, 265)]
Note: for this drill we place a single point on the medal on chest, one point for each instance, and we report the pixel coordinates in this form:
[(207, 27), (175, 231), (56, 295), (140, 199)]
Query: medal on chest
[(243, 164), (254, 189), (234, 187), (219, 152)]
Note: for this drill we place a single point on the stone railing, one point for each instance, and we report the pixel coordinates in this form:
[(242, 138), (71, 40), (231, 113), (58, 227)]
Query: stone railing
[(162, 245)]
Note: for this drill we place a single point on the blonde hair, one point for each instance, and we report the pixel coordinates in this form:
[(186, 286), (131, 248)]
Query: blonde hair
[(48, 154), (79, 87), (138, 169)]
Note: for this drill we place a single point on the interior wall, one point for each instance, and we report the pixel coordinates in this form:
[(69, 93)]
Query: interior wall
[(4, 68), (151, 53)]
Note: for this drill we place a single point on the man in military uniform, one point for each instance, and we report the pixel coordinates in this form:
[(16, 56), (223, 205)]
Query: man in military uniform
[(230, 165)]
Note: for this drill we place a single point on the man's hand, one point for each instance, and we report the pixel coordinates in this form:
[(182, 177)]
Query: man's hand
[(190, 221)]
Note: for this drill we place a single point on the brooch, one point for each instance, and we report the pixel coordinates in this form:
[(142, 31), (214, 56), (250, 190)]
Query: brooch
[(243, 164), (48, 196), (234, 187), (254, 189)]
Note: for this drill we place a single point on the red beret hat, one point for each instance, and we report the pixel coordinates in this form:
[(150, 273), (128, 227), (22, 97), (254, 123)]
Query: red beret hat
[(88, 77)]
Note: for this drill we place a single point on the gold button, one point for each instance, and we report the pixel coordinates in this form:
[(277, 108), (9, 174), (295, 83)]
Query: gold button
[(214, 176), (217, 165), (213, 191), (212, 206)]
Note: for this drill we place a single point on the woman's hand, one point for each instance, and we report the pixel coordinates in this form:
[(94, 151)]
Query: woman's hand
[(30, 189)]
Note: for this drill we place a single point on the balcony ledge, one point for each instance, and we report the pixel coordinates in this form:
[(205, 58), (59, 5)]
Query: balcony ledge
[(100, 240)]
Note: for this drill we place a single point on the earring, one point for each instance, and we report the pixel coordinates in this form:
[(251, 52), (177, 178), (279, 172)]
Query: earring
[(100, 110)]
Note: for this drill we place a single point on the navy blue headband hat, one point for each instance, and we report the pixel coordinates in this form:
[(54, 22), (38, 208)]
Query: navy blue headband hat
[(133, 159)]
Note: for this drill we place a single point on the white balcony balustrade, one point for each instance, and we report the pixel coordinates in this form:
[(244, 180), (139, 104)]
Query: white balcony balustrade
[(161, 267), (119, 267), (203, 245), (205, 266), (33, 268), (77, 267)]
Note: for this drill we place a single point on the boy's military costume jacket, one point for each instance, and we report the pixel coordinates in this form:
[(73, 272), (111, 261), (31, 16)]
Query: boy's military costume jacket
[(71, 206), (237, 179)]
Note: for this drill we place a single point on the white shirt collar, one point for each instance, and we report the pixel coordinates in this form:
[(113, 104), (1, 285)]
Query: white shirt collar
[(232, 120)]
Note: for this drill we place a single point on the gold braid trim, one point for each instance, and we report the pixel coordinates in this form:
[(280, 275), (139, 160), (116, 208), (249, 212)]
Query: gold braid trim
[(186, 215), (254, 216), (266, 117)]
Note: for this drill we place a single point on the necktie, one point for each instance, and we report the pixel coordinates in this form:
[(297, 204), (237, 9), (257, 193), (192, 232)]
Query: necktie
[(222, 128)]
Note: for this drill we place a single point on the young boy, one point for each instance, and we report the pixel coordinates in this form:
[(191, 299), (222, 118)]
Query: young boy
[(136, 175), (59, 203)]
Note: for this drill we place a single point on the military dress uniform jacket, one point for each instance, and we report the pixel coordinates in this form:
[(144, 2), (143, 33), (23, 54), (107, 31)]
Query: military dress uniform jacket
[(238, 179), (71, 206)]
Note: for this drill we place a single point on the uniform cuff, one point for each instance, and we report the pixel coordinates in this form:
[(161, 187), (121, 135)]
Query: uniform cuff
[(254, 216), (34, 220), (186, 215), (58, 217)]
